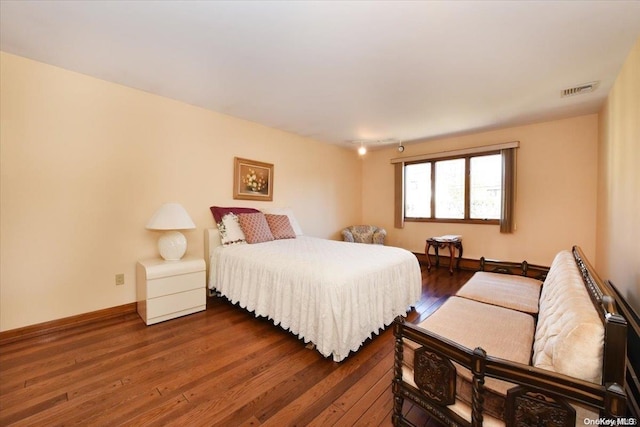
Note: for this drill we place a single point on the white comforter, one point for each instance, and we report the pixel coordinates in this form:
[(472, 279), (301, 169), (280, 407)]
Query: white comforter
[(334, 294)]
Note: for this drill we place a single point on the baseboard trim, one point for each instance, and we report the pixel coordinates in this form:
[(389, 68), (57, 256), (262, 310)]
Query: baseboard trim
[(465, 263), (59, 325)]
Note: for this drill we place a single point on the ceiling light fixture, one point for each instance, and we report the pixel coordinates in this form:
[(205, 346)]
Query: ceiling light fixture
[(364, 144)]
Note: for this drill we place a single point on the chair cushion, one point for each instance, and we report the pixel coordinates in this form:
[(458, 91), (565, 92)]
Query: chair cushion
[(364, 234), (505, 290)]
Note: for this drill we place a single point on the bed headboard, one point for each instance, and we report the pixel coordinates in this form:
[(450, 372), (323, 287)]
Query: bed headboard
[(211, 241)]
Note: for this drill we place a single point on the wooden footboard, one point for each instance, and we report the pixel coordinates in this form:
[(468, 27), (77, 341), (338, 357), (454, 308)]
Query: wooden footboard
[(538, 396)]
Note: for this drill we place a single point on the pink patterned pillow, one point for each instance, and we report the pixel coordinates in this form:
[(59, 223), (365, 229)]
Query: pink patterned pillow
[(280, 227), (255, 227)]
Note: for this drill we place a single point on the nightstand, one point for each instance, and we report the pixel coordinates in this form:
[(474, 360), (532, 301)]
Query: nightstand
[(170, 289)]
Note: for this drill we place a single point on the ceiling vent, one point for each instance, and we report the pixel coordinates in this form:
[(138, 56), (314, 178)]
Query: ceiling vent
[(579, 90)]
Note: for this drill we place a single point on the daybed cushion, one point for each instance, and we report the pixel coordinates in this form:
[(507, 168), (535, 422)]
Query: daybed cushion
[(502, 333), (505, 290), (569, 337)]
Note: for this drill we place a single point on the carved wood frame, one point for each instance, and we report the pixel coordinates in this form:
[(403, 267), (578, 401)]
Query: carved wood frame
[(548, 390)]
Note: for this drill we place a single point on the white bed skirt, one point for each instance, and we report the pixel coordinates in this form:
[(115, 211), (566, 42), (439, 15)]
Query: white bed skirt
[(333, 294)]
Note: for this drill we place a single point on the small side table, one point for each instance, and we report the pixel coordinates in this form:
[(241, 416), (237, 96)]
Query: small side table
[(169, 289), (440, 244)]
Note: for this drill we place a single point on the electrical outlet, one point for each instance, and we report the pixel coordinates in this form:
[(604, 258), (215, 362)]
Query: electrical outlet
[(119, 279)]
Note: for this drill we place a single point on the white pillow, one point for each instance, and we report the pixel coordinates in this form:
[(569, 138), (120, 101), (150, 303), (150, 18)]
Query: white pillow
[(288, 212), (230, 231)]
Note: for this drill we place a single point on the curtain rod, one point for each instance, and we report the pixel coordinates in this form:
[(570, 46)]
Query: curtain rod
[(462, 152)]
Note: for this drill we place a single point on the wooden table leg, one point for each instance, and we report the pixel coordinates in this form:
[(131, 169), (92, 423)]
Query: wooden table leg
[(452, 253), (432, 243), (459, 255)]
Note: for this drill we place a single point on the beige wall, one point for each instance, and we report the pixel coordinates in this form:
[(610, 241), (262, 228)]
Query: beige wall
[(85, 163), (618, 237), (556, 193)]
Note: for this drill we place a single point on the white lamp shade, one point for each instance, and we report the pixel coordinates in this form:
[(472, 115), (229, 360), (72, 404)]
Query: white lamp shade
[(170, 216)]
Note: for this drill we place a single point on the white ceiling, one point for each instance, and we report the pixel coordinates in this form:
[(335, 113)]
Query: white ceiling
[(339, 71)]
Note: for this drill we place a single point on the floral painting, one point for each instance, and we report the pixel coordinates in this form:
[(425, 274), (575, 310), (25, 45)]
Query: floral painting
[(252, 180)]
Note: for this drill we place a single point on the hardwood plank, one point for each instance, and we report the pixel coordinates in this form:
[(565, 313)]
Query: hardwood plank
[(310, 404), (222, 366), (152, 416), (212, 409), (121, 407), (355, 393), (358, 412), (379, 412), (281, 393), (329, 417), (25, 411), (145, 379)]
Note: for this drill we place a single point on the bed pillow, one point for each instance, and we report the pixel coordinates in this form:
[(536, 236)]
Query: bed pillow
[(230, 230), (289, 213), (218, 211), (255, 227), (280, 227)]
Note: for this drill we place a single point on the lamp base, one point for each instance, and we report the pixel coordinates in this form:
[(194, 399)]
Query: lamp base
[(172, 245)]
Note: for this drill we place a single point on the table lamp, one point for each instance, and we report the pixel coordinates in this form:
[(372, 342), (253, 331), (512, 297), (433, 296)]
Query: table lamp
[(171, 217)]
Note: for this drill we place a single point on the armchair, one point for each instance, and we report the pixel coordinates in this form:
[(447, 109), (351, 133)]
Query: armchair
[(364, 234)]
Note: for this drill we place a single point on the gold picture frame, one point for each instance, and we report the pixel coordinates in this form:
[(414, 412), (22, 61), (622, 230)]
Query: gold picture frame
[(252, 180)]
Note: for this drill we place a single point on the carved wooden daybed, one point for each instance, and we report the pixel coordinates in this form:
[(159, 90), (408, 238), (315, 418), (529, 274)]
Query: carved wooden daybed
[(516, 351)]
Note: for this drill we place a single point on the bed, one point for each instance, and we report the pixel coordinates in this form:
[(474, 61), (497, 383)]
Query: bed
[(333, 294)]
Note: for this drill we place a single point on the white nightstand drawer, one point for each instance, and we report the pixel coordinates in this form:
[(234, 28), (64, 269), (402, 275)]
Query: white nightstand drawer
[(171, 285), (176, 303), (169, 289)]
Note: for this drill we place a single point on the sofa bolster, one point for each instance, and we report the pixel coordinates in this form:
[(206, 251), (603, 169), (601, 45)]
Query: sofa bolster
[(504, 290), (569, 337)]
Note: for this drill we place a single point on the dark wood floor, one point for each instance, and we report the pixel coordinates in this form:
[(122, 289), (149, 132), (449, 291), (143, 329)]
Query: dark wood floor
[(218, 367)]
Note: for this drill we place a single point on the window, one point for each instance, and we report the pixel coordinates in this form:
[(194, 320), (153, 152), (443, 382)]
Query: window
[(449, 184), (418, 190), (485, 187), (465, 188), (475, 185)]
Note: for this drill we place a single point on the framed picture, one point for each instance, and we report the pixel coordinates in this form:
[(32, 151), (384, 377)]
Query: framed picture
[(252, 180)]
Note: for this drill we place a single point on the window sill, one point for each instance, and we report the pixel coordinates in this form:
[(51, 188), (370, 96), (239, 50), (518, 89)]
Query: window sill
[(455, 221)]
